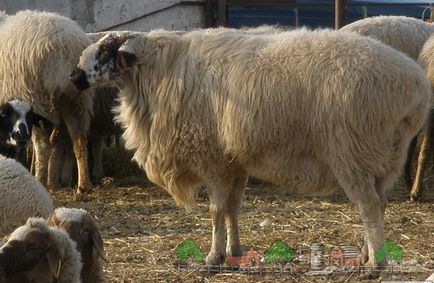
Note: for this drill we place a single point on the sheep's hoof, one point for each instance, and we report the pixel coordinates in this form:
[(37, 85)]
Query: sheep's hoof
[(52, 186), (369, 275), (214, 259), (372, 270), (234, 251), (84, 188), (82, 194), (97, 177), (415, 197)]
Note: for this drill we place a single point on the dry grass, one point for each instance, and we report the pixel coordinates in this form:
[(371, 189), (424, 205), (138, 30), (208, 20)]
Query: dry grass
[(141, 227)]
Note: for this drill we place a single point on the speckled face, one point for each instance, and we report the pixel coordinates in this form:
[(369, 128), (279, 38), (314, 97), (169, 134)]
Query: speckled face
[(97, 63)]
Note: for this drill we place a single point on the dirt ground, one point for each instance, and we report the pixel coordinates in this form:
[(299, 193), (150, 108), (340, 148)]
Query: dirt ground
[(141, 227)]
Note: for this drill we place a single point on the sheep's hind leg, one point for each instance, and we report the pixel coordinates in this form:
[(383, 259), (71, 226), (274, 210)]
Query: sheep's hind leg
[(96, 148), (371, 203), (425, 148), (54, 160), (408, 163)]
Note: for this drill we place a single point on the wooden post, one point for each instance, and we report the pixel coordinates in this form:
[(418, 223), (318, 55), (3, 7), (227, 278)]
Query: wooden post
[(222, 11), (296, 17), (340, 13), (431, 16)]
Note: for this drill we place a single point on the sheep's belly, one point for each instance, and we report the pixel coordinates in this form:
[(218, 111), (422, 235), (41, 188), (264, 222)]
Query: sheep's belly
[(304, 174)]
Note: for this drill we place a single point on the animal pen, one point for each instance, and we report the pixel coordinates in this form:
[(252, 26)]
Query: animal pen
[(286, 237)]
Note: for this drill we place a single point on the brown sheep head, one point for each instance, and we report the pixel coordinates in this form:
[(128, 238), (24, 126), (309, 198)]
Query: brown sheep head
[(81, 228), (31, 254)]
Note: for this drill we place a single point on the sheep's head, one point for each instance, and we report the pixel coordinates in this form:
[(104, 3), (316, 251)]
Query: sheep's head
[(16, 121), (30, 252), (103, 61), (81, 228)]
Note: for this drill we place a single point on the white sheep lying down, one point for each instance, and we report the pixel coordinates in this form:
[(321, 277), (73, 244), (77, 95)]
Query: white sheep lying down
[(407, 35), (21, 196), (303, 109)]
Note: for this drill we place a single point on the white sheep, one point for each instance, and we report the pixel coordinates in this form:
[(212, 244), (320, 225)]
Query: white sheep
[(36, 252), (37, 53), (83, 229), (21, 196), (303, 109), (407, 35)]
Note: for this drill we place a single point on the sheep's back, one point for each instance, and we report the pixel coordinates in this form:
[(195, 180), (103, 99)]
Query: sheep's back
[(21, 196), (312, 88), (405, 34), (38, 51)]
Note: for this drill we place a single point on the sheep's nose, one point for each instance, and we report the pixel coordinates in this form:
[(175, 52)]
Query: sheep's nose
[(22, 129), (78, 77), (21, 135)]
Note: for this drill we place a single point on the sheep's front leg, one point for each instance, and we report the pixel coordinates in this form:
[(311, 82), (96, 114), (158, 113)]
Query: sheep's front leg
[(41, 146), (233, 204), (225, 202), (78, 135), (80, 151), (217, 254)]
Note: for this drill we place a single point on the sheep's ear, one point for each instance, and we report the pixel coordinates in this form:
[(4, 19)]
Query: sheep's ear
[(125, 61), (98, 244), (54, 262), (5, 109)]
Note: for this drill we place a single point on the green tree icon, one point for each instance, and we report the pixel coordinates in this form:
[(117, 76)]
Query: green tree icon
[(278, 252), (188, 249), (390, 249)]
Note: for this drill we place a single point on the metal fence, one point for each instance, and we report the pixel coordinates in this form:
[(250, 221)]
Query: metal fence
[(321, 13)]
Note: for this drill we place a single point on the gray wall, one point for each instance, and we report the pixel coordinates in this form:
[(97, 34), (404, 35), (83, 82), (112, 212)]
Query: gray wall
[(97, 15)]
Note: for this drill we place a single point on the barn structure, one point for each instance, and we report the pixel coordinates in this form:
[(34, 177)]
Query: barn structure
[(97, 15)]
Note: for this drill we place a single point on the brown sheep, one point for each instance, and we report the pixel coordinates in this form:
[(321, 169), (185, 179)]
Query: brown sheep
[(36, 252), (83, 229)]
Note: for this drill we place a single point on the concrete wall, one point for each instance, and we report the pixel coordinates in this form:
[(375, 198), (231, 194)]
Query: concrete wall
[(97, 15)]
